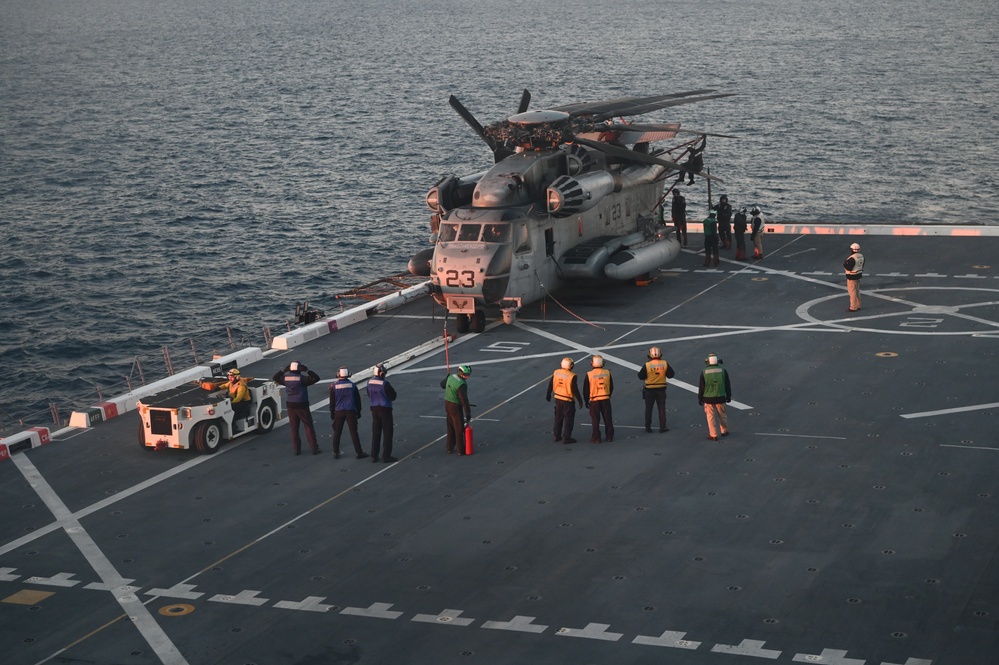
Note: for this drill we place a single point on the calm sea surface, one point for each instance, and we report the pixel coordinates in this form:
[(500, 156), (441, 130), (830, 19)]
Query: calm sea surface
[(171, 168)]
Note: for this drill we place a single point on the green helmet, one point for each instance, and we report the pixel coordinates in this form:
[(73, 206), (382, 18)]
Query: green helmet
[(465, 369)]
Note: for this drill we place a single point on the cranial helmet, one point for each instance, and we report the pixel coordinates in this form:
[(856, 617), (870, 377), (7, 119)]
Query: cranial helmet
[(293, 366), (234, 372), (567, 363), (380, 370), (654, 352), (343, 373), (464, 370), (756, 211), (712, 359), (855, 247), (598, 361)]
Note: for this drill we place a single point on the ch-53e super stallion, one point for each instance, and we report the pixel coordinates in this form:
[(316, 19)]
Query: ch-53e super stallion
[(566, 199)]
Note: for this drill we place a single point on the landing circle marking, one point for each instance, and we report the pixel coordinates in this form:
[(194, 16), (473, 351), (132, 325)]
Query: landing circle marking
[(900, 303), (761, 279), (887, 354)]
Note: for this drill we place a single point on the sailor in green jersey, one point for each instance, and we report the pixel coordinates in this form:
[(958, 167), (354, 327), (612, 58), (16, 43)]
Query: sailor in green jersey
[(455, 405), (713, 393)]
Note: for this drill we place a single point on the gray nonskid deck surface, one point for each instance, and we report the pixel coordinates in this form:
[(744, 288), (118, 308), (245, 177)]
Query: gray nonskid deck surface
[(849, 518)]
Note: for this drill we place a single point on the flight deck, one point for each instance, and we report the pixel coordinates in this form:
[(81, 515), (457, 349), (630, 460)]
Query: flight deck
[(851, 517)]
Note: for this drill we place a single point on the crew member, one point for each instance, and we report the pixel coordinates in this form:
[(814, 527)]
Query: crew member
[(455, 404), (695, 161), (654, 373), (239, 395), (381, 394), (711, 239), (759, 226), (678, 209), (854, 267), (296, 379), (740, 234), (724, 221), (345, 407), (563, 385), (597, 388), (713, 393)]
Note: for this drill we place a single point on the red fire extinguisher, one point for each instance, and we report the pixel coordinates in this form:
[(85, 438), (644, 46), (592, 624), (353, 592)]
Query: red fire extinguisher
[(469, 443)]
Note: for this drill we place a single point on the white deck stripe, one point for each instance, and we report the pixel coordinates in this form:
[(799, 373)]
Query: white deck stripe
[(944, 412), (130, 604)]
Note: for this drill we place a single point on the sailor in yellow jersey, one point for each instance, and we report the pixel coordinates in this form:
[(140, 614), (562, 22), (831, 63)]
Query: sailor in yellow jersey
[(597, 388), (563, 386), (654, 373)]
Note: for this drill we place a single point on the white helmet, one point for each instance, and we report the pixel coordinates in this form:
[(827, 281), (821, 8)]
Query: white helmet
[(712, 359), (342, 373), (379, 370), (598, 361), (655, 352), (567, 364), (293, 366), (855, 247)]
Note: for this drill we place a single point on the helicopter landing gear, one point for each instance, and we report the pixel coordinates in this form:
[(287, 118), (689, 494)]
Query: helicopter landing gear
[(475, 323), (478, 321)]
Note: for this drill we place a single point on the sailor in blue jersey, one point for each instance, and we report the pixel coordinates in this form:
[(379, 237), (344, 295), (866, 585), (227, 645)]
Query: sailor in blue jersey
[(381, 394), (345, 407), (296, 379)]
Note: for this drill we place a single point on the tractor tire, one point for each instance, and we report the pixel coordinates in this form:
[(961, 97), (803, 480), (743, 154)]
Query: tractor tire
[(266, 416), (207, 436)]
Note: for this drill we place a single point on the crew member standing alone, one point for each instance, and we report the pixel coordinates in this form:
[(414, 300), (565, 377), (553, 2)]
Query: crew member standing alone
[(654, 373), (713, 393), (563, 386), (381, 394), (456, 402), (759, 226), (345, 407), (597, 388), (854, 266), (678, 209), (296, 379)]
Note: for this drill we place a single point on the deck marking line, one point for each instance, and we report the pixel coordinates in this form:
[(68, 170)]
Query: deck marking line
[(944, 412), (670, 638), (802, 436), (310, 604), (146, 624), (245, 597), (593, 631), (450, 617), (830, 656), (747, 648), (59, 579), (519, 623), (953, 445), (5, 575), (375, 611), (620, 361)]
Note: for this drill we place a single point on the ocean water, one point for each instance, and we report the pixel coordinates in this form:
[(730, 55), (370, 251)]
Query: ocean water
[(173, 169)]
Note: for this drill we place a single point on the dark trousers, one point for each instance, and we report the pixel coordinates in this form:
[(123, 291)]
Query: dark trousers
[(681, 231), (601, 409), (565, 418), (710, 249), (241, 409), (740, 246), (725, 234), (381, 430), (455, 427), (300, 413), (657, 397), (349, 417)]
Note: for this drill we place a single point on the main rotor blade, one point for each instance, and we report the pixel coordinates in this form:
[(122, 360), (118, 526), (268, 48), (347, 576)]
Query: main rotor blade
[(626, 105), (630, 155), (525, 101), (470, 119), (655, 106), (660, 127)]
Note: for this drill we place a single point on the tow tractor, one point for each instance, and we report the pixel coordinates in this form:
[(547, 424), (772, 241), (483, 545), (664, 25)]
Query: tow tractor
[(200, 415)]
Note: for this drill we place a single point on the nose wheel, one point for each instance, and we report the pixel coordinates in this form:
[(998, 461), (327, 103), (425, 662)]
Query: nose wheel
[(475, 323)]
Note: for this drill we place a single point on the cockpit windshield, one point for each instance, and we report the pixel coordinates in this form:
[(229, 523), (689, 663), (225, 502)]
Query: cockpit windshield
[(500, 233)]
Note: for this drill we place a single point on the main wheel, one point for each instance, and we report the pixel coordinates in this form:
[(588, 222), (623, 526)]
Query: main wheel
[(478, 323), (461, 321), (266, 417), (207, 437)]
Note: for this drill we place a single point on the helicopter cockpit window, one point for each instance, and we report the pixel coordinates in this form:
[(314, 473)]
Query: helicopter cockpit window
[(469, 232), (448, 232), (496, 233), (522, 239)]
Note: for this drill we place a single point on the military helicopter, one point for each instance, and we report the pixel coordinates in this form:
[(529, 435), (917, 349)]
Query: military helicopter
[(566, 199)]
